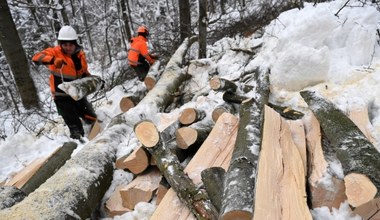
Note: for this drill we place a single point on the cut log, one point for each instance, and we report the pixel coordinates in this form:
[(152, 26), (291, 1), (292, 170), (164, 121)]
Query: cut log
[(95, 130), (329, 194), (114, 205), (220, 109), (136, 162), (10, 195), (141, 189), (280, 190), (286, 112), (218, 147), (170, 167), (298, 135), (355, 152), (361, 119), (359, 189), (233, 98), (369, 210), (80, 88), (86, 177), (188, 137), (163, 188), (152, 76), (128, 102), (213, 179), (238, 195), (220, 84), (191, 115)]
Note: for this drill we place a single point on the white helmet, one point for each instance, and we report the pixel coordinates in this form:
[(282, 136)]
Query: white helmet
[(67, 33)]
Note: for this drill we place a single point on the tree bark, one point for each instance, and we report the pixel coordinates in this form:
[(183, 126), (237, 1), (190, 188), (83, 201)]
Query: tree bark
[(170, 167), (184, 19), (80, 88), (353, 149), (15, 55), (152, 76), (245, 156), (213, 179), (202, 29), (10, 195)]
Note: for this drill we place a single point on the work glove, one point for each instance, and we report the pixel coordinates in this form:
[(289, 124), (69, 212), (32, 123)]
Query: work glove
[(58, 62), (154, 56)]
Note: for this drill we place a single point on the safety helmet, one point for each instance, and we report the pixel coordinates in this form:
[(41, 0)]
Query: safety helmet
[(143, 29), (67, 33)]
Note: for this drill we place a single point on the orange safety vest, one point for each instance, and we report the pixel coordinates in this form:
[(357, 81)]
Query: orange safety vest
[(139, 47), (68, 71)]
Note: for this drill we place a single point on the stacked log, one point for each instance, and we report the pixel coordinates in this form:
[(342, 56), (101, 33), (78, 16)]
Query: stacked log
[(136, 162)]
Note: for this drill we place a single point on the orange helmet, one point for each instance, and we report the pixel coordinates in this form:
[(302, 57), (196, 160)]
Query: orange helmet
[(143, 29)]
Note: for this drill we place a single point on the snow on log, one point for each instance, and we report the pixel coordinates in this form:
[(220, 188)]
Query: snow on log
[(80, 88), (280, 188), (170, 167), (152, 76), (10, 195), (356, 153), (218, 147), (238, 196)]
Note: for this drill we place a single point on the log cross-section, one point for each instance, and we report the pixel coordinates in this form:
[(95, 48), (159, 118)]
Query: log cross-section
[(167, 162)]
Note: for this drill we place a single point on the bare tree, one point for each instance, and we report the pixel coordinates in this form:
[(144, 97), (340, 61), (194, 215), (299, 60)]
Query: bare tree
[(15, 55), (184, 18), (202, 29)]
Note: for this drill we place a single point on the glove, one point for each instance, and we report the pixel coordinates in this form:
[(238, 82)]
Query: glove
[(154, 56), (58, 62)]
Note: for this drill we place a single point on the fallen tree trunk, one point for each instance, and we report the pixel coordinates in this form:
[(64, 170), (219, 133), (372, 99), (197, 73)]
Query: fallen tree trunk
[(10, 195), (353, 149), (76, 189), (170, 167), (152, 76), (241, 174), (213, 179), (80, 88)]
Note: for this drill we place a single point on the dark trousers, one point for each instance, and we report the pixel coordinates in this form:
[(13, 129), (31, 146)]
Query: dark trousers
[(142, 70), (72, 111)]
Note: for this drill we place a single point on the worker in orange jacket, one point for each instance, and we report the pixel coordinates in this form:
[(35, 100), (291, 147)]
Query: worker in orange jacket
[(67, 62), (139, 57)]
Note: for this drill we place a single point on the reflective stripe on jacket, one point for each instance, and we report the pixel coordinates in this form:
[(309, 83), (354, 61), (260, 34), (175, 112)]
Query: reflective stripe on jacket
[(68, 72), (139, 47)]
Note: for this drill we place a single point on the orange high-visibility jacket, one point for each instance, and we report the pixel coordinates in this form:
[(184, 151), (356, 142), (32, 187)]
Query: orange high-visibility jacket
[(139, 47), (68, 71)]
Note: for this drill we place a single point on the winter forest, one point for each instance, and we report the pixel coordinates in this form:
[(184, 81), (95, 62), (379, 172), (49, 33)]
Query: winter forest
[(327, 51)]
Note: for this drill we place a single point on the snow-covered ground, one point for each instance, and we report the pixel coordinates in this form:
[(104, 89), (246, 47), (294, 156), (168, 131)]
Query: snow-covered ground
[(312, 48)]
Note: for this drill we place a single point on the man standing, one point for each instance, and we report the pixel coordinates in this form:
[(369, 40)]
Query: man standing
[(138, 55), (67, 62)]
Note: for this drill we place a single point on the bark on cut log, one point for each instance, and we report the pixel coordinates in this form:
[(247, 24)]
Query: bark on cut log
[(136, 162), (218, 146), (191, 115), (169, 165), (80, 88), (236, 200), (152, 76), (359, 189), (141, 189), (353, 149), (280, 190), (220, 84), (213, 179), (10, 195), (220, 109), (369, 210), (233, 98)]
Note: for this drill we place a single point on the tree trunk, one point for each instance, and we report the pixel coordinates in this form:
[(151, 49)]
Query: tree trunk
[(10, 195), (353, 149), (202, 29), (213, 179), (245, 156), (152, 76), (184, 19), (80, 88), (124, 12), (15, 55), (170, 167)]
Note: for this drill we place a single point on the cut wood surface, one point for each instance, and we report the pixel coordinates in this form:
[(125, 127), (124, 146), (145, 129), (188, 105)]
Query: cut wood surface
[(161, 191), (280, 190), (299, 138), (128, 102), (95, 130), (369, 210), (191, 115), (114, 205), (187, 137), (328, 194), (222, 108), (136, 162), (359, 189), (80, 88), (218, 146), (140, 189), (360, 117), (147, 133)]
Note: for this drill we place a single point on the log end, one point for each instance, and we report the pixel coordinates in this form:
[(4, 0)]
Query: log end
[(147, 133), (215, 83), (359, 189), (149, 82), (185, 137), (126, 103), (188, 116), (237, 215)]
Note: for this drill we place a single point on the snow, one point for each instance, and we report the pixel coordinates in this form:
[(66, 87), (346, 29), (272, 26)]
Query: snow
[(337, 56)]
